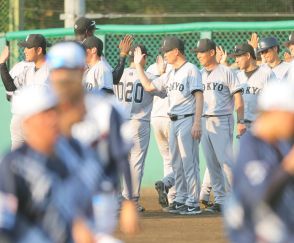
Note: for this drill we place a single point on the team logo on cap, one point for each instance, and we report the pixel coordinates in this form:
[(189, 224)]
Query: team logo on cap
[(27, 37), (290, 37), (76, 26), (198, 43)]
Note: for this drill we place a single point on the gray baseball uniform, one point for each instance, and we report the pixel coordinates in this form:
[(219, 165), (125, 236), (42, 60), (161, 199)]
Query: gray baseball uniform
[(160, 122), (251, 87), (24, 73), (138, 106), (98, 76), (218, 123), (281, 70), (180, 85)]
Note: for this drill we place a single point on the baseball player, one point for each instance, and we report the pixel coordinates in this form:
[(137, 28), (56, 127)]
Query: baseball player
[(252, 77), (258, 208), (36, 73), (184, 89), (40, 197), (98, 74), (138, 105), (269, 48), (160, 122), (66, 78), (85, 27), (222, 91), (290, 44)]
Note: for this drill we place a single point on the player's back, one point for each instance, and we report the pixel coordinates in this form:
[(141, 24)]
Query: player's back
[(130, 92)]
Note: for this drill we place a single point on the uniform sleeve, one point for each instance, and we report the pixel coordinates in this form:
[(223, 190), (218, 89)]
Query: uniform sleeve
[(6, 78), (195, 80), (160, 83), (233, 82), (160, 93), (104, 77), (118, 70)]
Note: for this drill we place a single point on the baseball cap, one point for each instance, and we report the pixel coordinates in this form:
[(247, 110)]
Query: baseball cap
[(142, 47), (35, 40), (33, 99), (266, 43), (204, 45), (242, 49), (82, 24), (170, 43), (290, 41), (93, 41), (67, 54), (277, 96)]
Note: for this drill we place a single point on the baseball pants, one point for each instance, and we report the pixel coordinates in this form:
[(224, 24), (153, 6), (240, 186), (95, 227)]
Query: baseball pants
[(161, 128), (217, 143), (205, 187), (140, 132), (185, 161)]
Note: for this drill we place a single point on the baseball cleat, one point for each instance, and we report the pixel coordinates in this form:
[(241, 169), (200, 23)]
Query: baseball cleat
[(162, 193), (206, 204), (215, 208), (189, 210), (176, 207)]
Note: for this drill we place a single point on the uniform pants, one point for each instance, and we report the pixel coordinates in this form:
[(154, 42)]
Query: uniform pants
[(140, 132), (185, 161), (161, 128), (205, 187), (217, 143), (16, 131)]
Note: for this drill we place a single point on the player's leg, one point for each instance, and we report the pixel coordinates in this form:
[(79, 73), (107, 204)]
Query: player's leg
[(140, 131), (180, 183), (222, 142), (212, 163), (189, 151), (205, 189), (161, 126), (16, 133)]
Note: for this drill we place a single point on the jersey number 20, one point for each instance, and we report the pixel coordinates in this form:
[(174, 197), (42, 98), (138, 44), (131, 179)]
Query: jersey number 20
[(129, 89)]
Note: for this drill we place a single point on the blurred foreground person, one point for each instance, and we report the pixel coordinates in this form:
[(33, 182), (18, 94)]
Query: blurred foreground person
[(260, 208), (34, 183), (66, 61)]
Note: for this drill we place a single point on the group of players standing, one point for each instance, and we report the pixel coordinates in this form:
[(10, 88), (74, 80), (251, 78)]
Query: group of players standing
[(185, 105)]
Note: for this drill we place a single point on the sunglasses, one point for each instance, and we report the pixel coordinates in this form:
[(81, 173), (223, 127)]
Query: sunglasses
[(265, 51)]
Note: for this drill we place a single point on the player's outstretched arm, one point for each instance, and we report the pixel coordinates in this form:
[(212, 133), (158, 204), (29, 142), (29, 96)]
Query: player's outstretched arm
[(5, 76), (239, 107), (124, 48), (138, 59), (196, 128)]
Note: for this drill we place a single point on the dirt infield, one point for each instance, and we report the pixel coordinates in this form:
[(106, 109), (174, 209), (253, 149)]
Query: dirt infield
[(161, 227)]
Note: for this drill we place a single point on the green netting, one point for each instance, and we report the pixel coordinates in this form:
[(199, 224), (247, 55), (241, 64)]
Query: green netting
[(4, 13), (226, 34)]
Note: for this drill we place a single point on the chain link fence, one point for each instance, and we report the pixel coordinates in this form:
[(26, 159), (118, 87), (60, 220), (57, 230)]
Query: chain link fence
[(4, 13), (226, 39)]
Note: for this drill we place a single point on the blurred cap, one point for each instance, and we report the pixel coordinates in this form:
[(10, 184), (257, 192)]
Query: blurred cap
[(83, 24), (142, 47), (33, 99), (242, 49), (170, 43), (290, 41), (277, 96), (68, 54), (204, 45), (266, 43), (93, 41), (35, 40)]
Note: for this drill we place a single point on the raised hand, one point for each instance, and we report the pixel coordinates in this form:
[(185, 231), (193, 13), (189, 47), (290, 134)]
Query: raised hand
[(125, 45), (4, 55), (138, 56), (161, 64), (254, 40)]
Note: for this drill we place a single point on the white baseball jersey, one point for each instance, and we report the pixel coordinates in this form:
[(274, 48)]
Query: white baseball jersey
[(251, 87), (130, 92), (98, 76), (179, 85), (281, 71), (290, 77), (29, 75), (219, 87), (160, 105)]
